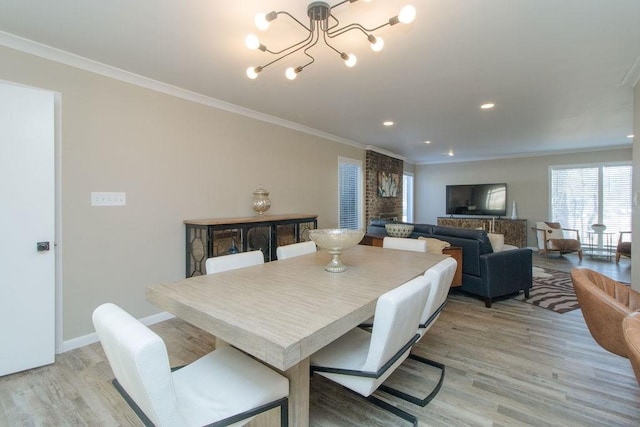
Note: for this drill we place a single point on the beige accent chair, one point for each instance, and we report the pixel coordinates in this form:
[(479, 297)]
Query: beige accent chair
[(624, 246), (631, 333), (604, 303), (553, 238)]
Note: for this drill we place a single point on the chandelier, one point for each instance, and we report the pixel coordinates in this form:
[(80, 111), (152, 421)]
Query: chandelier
[(322, 24)]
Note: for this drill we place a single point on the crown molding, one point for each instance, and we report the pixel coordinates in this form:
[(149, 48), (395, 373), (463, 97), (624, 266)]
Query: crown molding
[(532, 154), (63, 57), (385, 152)]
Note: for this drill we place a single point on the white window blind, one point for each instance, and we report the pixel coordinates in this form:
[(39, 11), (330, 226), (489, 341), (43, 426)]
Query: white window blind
[(585, 195), (350, 190), (407, 198), (616, 195)]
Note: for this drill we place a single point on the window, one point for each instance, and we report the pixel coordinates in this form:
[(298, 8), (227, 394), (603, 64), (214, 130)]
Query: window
[(407, 198), (350, 193), (589, 194)]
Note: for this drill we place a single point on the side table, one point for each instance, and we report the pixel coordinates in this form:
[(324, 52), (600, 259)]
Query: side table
[(456, 253), (600, 244)]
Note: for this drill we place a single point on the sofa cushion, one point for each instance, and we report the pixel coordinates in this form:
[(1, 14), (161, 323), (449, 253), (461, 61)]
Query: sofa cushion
[(435, 246), (380, 222), (466, 233), (470, 253), (423, 229)]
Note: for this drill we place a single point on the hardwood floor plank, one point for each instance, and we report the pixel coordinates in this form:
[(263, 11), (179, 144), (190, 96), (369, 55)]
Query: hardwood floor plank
[(512, 364)]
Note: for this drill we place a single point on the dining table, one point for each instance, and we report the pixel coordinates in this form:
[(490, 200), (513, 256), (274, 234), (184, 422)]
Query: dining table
[(284, 311)]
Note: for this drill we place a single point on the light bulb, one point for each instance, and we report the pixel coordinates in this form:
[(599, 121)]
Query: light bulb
[(252, 72), (351, 60), (377, 45), (407, 14), (261, 21), (291, 73), (252, 41)]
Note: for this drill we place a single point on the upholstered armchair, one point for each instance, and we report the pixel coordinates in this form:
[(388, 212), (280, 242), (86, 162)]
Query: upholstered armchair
[(604, 303), (624, 245), (553, 238), (631, 332)]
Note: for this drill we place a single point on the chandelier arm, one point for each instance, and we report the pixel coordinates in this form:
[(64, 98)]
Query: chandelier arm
[(309, 37), (302, 67), (340, 4), (309, 44), (324, 34), (284, 12), (354, 26), (331, 27)]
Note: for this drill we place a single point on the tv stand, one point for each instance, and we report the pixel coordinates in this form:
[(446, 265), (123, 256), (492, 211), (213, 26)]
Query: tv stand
[(514, 230)]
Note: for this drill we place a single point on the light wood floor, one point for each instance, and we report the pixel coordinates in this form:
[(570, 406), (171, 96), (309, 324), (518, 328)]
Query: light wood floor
[(513, 364)]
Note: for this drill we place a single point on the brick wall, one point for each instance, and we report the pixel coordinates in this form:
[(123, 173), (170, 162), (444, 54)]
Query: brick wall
[(375, 205)]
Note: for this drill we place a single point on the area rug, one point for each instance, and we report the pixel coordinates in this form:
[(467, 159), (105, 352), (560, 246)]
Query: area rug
[(553, 290)]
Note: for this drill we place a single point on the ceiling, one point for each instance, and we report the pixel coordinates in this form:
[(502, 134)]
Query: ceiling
[(560, 72)]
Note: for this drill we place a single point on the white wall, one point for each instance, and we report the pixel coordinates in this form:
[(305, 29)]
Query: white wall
[(635, 243), (176, 160), (526, 178)]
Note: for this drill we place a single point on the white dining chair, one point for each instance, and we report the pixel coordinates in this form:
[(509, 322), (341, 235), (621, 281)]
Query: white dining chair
[(440, 276), (399, 243), (295, 249), (362, 361), (405, 244), (224, 387), (219, 264)]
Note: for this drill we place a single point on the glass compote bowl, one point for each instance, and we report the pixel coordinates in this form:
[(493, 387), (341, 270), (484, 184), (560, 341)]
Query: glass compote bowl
[(336, 240)]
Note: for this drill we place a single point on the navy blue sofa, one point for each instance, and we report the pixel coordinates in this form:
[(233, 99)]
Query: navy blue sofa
[(485, 273)]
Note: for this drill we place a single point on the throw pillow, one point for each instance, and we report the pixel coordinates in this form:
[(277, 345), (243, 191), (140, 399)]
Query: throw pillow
[(497, 241), (435, 246)]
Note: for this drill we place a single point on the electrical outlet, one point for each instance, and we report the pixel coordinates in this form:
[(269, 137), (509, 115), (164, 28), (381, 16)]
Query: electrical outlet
[(108, 199)]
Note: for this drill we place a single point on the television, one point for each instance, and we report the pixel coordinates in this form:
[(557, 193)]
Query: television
[(477, 199)]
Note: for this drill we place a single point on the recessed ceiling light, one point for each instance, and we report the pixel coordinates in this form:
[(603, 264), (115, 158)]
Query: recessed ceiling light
[(630, 136), (388, 123), (487, 106), (427, 142)]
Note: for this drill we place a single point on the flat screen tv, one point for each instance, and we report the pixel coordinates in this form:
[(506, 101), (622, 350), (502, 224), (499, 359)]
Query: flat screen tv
[(477, 199)]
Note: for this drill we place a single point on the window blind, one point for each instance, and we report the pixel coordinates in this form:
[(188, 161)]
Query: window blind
[(585, 195), (349, 179)]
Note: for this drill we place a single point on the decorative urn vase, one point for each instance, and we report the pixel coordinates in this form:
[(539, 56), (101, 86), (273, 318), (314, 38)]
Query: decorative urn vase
[(261, 202)]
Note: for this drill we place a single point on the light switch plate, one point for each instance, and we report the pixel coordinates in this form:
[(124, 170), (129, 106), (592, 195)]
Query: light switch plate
[(108, 199)]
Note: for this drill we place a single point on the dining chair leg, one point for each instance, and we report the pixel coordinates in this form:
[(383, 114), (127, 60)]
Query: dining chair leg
[(283, 404), (393, 409), (415, 400)]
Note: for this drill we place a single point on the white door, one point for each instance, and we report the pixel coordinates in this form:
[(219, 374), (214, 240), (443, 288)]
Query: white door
[(27, 216)]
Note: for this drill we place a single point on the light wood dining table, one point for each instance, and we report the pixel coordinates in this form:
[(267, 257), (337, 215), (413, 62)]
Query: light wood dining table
[(282, 312)]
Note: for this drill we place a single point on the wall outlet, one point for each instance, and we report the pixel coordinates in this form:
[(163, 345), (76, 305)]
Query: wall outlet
[(108, 199)]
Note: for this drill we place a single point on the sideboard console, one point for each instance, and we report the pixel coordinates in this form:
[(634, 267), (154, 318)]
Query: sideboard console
[(514, 230), (206, 238)]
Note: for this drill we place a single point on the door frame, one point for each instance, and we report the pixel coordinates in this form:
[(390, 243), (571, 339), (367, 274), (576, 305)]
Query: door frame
[(59, 315)]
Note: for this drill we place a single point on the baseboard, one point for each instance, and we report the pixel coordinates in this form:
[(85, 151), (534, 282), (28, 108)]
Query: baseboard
[(88, 339)]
